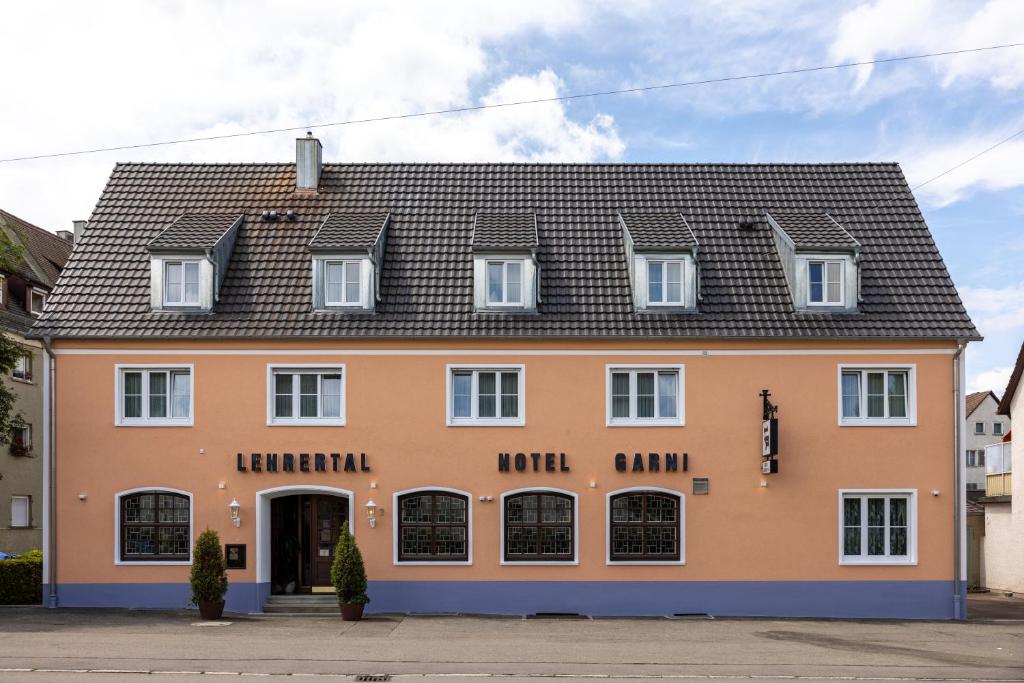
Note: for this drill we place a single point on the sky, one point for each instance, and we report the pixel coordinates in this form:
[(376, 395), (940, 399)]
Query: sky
[(89, 75)]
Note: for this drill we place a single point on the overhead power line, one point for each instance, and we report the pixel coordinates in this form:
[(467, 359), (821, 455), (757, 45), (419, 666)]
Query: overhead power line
[(518, 103), (968, 160)]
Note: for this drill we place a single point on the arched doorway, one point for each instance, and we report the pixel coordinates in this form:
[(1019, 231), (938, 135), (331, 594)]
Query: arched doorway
[(297, 528)]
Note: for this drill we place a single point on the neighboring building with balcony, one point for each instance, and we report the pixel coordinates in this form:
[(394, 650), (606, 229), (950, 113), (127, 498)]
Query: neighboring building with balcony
[(984, 427), (23, 292), (1004, 521)]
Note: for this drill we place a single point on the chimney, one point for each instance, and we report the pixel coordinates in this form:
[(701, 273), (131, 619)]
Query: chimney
[(308, 162), (79, 230), (66, 235)]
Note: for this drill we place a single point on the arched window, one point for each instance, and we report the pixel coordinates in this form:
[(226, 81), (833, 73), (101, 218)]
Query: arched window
[(539, 527), (155, 527), (433, 526), (644, 527)]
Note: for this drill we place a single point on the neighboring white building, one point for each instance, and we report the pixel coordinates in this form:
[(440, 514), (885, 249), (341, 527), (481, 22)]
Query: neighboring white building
[(985, 426), (1004, 521)]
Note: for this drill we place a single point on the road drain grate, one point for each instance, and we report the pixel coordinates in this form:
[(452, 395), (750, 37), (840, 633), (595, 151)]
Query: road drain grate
[(372, 678)]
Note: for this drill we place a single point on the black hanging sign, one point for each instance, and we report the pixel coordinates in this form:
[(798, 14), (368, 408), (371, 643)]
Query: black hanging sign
[(769, 435)]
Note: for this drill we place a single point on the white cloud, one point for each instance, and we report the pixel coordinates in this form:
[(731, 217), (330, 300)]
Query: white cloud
[(994, 379), (995, 311), (998, 169), (104, 74)]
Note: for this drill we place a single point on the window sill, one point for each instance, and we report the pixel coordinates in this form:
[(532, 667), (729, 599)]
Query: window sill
[(540, 563), (645, 563), (151, 423), (332, 422), (878, 423), (153, 563), (647, 423), (486, 423), (428, 563), (885, 562), (22, 381)]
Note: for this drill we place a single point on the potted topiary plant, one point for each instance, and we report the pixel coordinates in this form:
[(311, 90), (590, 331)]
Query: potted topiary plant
[(209, 579), (348, 575)]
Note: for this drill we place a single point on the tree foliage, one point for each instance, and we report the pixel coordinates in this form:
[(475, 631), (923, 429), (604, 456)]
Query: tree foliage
[(209, 577), (348, 574), (12, 254)]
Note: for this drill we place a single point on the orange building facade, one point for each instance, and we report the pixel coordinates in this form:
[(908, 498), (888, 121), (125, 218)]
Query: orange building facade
[(748, 543)]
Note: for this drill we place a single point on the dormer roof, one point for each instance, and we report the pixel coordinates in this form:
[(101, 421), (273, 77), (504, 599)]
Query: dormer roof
[(666, 231), (505, 231), (350, 231), (813, 231), (195, 232)]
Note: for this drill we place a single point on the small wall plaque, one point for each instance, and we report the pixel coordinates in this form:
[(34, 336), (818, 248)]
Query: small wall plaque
[(234, 554)]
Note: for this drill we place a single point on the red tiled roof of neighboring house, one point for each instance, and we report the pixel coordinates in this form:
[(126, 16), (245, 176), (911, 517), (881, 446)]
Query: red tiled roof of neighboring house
[(977, 398)]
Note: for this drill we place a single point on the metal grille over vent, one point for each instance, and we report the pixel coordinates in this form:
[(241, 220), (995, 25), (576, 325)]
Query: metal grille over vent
[(700, 487), (370, 678)]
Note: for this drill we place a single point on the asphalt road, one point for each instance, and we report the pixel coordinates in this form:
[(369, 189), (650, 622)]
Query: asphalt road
[(96, 645)]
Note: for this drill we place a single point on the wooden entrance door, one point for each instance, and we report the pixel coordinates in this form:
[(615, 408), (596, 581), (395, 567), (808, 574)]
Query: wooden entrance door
[(326, 515)]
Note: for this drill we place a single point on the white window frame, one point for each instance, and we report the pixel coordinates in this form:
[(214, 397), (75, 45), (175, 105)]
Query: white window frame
[(859, 560), (25, 363), (678, 421), (32, 294), (3, 290), (26, 438), (505, 303), (145, 421), (639, 272), (427, 563), (824, 285), (183, 303), (665, 261), (575, 529), (997, 429), (149, 563), (978, 424), (474, 420), (28, 512), (863, 421), (608, 526), (299, 369), (345, 264)]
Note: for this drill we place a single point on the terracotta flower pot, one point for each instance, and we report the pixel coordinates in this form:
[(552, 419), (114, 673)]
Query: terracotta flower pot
[(351, 611), (211, 609)]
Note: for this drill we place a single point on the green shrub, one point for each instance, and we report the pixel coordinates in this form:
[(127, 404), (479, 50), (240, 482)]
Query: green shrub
[(209, 579), (21, 579), (347, 571)]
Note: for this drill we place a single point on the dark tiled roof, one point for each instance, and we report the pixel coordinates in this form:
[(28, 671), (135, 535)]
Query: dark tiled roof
[(195, 231), (426, 280), (659, 231), (349, 230), (974, 400), (1011, 387), (813, 230), (504, 231), (45, 253)]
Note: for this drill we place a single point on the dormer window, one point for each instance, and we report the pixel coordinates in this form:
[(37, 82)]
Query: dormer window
[(343, 282), (38, 302), (181, 283), (825, 283), (505, 271), (819, 259), (188, 261), (504, 283), (661, 251), (347, 252), (665, 282)]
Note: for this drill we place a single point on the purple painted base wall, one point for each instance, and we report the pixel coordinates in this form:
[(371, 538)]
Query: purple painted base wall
[(832, 599)]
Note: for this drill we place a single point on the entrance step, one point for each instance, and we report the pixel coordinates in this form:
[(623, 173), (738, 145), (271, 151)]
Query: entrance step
[(302, 604)]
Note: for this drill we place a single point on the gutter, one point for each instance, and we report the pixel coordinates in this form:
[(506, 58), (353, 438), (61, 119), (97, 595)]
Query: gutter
[(50, 478), (959, 504)]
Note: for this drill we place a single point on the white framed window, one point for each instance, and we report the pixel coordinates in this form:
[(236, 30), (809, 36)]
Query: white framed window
[(486, 396), (3, 290), (979, 427), (432, 525), (21, 438), (645, 395), (877, 526), (665, 282), (23, 368), (877, 395), (343, 283), (825, 283), (153, 526), (21, 512), (997, 429), (154, 396), (539, 526), (181, 283), (645, 525), (37, 301), (504, 282), (306, 395), (976, 458)]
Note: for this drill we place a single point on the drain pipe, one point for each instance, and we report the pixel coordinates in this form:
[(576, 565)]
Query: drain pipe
[(959, 608), (50, 483)]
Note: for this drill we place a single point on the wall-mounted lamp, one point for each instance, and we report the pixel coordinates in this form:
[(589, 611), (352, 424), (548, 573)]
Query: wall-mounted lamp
[(371, 513), (81, 496), (235, 506)]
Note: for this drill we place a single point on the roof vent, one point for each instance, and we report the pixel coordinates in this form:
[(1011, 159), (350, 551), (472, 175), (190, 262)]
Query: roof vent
[(308, 162), (66, 235), (747, 223), (79, 229)]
